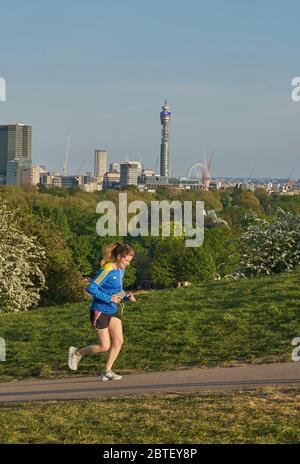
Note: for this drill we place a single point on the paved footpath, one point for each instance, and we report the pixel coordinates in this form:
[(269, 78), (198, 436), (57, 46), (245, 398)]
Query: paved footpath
[(149, 383)]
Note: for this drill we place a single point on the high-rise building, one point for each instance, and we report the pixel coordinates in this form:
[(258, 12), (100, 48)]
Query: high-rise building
[(114, 167), (111, 180), (129, 174), (14, 170), (165, 119), (50, 180), (71, 181), (138, 163), (31, 176), (100, 166), (15, 143), (92, 187)]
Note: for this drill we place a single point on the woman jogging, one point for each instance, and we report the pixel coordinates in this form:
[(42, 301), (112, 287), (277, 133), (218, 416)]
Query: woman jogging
[(106, 308)]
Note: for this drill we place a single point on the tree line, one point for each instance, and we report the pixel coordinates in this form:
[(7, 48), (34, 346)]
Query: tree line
[(49, 248)]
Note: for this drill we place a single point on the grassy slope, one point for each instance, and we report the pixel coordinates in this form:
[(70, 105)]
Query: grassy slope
[(214, 324), (267, 415)]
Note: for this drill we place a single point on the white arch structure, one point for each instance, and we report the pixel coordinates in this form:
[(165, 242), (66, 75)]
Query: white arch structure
[(196, 168)]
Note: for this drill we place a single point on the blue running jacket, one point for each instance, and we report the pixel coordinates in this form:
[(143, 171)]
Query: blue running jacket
[(107, 283)]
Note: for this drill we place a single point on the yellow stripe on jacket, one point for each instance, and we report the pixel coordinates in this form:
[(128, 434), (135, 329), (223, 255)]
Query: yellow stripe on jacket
[(107, 267)]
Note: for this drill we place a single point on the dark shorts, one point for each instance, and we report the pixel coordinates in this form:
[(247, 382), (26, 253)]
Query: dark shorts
[(100, 320)]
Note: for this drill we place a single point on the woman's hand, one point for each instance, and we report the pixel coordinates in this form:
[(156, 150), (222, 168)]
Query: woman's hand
[(131, 297), (116, 299)]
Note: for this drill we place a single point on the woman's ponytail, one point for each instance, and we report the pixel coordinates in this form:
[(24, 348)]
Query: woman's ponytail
[(114, 249)]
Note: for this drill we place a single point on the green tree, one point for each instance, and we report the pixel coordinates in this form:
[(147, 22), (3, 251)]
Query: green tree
[(63, 278), (142, 262), (196, 265), (129, 277), (21, 276), (42, 188), (163, 272), (223, 249), (236, 192), (263, 196), (226, 198), (248, 201)]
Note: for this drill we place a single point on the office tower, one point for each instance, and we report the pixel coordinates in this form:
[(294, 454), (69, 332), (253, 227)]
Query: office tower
[(71, 181), (15, 143), (114, 167), (129, 174), (138, 163), (165, 119), (111, 180), (14, 170), (31, 176), (100, 166)]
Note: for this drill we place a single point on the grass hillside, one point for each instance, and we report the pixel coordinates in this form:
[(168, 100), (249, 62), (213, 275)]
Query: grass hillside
[(265, 415), (219, 323)]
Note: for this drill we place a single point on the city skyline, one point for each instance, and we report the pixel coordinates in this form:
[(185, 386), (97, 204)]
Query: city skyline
[(226, 73)]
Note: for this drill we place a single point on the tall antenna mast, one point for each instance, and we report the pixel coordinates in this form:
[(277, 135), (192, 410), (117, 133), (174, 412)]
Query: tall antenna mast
[(165, 119)]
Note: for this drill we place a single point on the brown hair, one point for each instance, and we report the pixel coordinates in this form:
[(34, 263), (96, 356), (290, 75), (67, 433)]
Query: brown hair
[(111, 251)]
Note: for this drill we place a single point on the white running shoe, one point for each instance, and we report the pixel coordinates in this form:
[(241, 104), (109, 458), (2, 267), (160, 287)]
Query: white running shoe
[(109, 375), (74, 358)]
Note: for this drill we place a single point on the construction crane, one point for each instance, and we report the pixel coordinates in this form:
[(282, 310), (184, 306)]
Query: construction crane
[(67, 154), (206, 171), (157, 160), (81, 167)]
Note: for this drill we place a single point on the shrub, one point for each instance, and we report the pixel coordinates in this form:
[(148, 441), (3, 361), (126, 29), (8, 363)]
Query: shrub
[(21, 277), (270, 247)]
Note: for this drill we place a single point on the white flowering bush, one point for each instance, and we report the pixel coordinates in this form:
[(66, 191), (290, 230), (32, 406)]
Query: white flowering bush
[(21, 278), (269, 247)]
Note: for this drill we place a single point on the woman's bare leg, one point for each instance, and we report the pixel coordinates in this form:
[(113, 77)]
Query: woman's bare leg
[(116, 333), (104, 344)]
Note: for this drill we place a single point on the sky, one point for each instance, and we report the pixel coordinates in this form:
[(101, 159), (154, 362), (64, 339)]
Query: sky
[(101, 70)]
